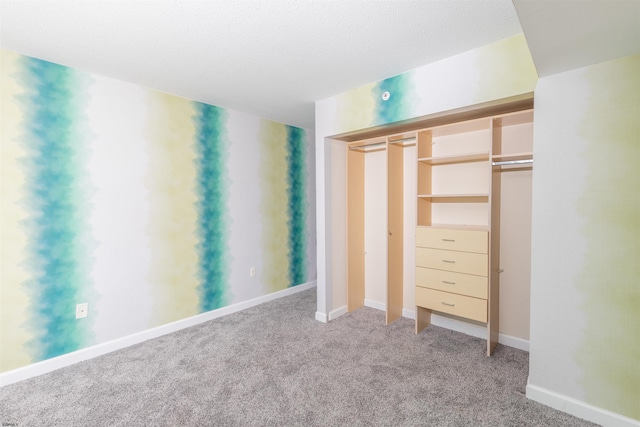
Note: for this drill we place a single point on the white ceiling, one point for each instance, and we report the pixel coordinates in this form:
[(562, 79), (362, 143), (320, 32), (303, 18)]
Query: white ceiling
[(269, 58), (274, 58)]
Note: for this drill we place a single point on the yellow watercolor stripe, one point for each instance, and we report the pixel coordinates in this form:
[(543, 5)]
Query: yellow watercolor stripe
[(610, 207), (173, 216), (505, 69), (356, 108), (13, 298), (275, 231)]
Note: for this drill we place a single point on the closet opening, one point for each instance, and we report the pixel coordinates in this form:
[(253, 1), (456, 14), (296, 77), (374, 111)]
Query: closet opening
[(438, 220)]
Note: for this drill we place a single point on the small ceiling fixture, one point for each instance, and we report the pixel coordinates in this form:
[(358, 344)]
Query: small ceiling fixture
[(386, 95)]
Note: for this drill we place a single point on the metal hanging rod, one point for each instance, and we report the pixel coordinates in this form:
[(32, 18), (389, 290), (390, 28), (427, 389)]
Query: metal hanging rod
[(512, 162), (411, 138), (364, 147), (375, 144)]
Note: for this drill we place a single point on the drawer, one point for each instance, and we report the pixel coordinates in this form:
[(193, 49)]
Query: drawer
[(452, 239), (460, 262), (448, 281), (458, 305)]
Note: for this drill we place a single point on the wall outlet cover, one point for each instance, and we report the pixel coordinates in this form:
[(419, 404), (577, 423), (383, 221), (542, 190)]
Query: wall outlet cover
[(82, 310)]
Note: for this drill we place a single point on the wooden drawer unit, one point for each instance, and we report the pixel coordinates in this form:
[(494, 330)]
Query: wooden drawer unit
[(458, 305), (452, 239), (459, 197), (447, 281), (459, 262)]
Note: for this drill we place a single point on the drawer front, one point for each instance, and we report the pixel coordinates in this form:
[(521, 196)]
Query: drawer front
[(458, 305), (463, 284), (460, 262), (452, 239)]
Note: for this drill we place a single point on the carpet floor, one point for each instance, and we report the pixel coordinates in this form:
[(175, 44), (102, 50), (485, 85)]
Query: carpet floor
[(274, 365)]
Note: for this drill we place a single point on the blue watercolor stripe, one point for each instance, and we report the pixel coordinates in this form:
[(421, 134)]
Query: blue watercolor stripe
[(57, 238), (212, 188), (297, 204), (401, 103)]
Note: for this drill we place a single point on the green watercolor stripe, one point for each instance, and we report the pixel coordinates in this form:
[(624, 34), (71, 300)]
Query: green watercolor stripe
[(213, 218), (297, 205), (58, 237), (401, 103)]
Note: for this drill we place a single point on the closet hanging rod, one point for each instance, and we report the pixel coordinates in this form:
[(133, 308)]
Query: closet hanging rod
[(512, 162), (410, 138), (362, 147)]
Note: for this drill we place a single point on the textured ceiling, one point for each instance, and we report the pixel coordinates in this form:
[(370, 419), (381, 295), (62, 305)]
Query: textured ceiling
[(274, 58), (268, 58)]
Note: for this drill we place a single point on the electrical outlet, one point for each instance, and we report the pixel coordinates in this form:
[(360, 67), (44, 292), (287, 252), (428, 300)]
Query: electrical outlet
[(252, 272), (82, 310)]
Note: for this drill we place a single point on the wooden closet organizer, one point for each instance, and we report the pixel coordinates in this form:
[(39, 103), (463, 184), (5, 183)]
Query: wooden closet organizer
[(356, 152), (459, 167)]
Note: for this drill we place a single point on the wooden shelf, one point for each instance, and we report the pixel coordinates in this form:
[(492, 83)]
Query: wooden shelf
[(460, 127), (456, 158), (517, 118)]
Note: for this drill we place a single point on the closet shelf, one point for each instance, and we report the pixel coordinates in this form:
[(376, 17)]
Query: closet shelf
[(459, 186), (456, 158)]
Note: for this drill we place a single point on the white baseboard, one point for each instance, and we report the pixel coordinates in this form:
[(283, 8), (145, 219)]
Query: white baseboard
[(322, 317), (515, 342), (39, 368), (458, 326), (375, 304), (478, 331), (579, 408), (334, 314), (409, 314)]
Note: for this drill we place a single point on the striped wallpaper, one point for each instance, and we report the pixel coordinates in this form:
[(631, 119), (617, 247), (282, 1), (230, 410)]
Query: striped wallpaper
[(55, 193), (213, 220), (131, 200)]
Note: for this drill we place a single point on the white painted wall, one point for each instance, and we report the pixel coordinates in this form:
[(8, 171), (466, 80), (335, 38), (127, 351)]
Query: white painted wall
[(557, 243), (338, 229), (515, 237), (585, 278), (375, 227)]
